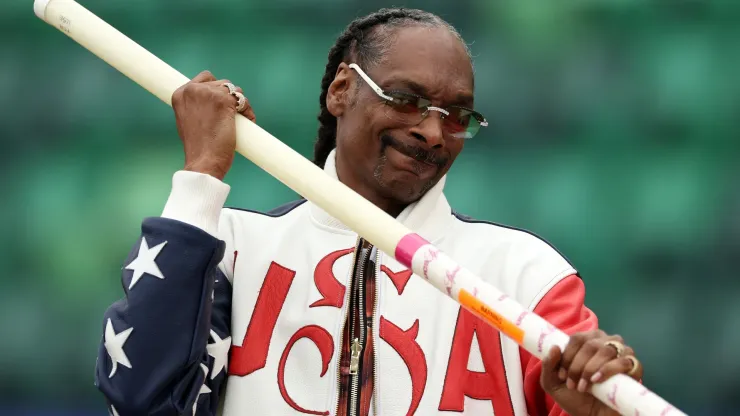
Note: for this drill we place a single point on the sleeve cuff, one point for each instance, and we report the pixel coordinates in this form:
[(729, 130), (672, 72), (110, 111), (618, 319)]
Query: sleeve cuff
[(196, 199)]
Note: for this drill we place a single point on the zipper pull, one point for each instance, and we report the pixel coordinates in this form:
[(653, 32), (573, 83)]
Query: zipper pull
[(354, 361)]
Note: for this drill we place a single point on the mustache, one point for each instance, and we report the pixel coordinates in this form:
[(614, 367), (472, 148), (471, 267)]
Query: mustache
[(416, 152)]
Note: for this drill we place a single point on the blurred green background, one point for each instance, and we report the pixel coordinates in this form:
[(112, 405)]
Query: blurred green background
[(614, 136)]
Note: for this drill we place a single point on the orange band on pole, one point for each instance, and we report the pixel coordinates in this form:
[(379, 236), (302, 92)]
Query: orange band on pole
[(498, 321)]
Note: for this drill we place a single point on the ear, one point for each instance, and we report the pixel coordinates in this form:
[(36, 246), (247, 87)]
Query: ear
[(338, 97)]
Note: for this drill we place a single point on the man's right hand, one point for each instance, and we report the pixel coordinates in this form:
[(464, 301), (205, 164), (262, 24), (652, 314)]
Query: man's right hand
[(205, 113)]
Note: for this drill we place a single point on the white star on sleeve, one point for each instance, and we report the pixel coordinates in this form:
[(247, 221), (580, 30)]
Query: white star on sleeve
[(114, 345), (219, 350), (203, 389), (144, 262)]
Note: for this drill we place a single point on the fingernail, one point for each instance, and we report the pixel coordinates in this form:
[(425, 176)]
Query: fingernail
[(596, 377), (582, 385), (562, 374), (570, 384)]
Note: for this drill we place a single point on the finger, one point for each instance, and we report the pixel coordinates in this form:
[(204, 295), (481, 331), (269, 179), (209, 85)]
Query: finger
[(635, 368), (575, 343), (249, 112), (220, 83), (621, 365), (205, 76), (550, 365), (587, 351), (591, 373)]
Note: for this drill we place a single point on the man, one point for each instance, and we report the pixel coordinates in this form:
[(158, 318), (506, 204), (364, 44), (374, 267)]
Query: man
[(290, 312)]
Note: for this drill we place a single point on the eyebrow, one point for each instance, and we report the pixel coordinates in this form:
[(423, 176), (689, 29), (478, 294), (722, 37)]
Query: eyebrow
[(418, 89)]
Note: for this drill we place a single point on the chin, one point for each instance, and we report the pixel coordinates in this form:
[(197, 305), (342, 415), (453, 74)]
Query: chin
[(407, 195), (399, 188), (401, 185)]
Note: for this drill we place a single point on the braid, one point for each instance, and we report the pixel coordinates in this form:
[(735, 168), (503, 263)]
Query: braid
[(361, 41)]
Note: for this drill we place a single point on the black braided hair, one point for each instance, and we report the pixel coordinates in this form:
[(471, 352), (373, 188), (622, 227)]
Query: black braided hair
[(363, 41)]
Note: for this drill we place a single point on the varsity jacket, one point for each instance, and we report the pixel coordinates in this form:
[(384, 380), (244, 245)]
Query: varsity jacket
[(236, 312)]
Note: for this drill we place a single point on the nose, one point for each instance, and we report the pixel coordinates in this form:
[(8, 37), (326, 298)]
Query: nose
[(429, 130)]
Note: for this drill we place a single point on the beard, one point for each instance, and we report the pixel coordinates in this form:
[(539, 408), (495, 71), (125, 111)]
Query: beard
[(407, 194)]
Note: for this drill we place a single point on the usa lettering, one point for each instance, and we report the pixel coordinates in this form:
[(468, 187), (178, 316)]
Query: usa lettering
[(460, 382)]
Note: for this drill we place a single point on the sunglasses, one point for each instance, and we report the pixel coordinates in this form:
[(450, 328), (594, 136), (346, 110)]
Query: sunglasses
[(411, 109)]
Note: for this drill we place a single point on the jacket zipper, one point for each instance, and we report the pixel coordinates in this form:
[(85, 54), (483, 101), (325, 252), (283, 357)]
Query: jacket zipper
[(358, 343), (358, 247), (377, 329)]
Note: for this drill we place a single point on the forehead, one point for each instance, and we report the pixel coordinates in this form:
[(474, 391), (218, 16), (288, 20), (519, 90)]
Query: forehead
[(430, 56)]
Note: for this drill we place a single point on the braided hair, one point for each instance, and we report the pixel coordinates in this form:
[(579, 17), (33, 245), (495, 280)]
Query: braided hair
[(365, 40)]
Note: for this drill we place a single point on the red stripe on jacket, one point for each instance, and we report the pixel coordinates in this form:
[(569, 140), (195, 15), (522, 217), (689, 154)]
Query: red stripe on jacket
[(562, 306)]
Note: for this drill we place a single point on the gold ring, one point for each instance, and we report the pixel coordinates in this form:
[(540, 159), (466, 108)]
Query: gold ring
[(617, 346), (635, 364)]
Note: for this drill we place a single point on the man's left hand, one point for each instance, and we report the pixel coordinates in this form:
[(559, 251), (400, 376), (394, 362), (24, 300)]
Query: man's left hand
[(590, 357)]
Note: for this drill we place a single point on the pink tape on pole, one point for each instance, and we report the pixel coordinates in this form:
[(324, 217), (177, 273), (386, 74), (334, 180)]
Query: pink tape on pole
[(407, 247)]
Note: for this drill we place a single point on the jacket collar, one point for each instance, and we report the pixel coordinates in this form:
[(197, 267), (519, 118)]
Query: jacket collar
[(429, 216)]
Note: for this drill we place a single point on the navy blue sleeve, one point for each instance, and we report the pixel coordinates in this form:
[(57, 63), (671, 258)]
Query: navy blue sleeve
[(166, 342)]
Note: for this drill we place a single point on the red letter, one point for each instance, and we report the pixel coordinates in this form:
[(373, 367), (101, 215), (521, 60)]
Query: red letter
[(324, 342), (399, 279), (404, 342), (252, 355), (459, 381), (327, 284)]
